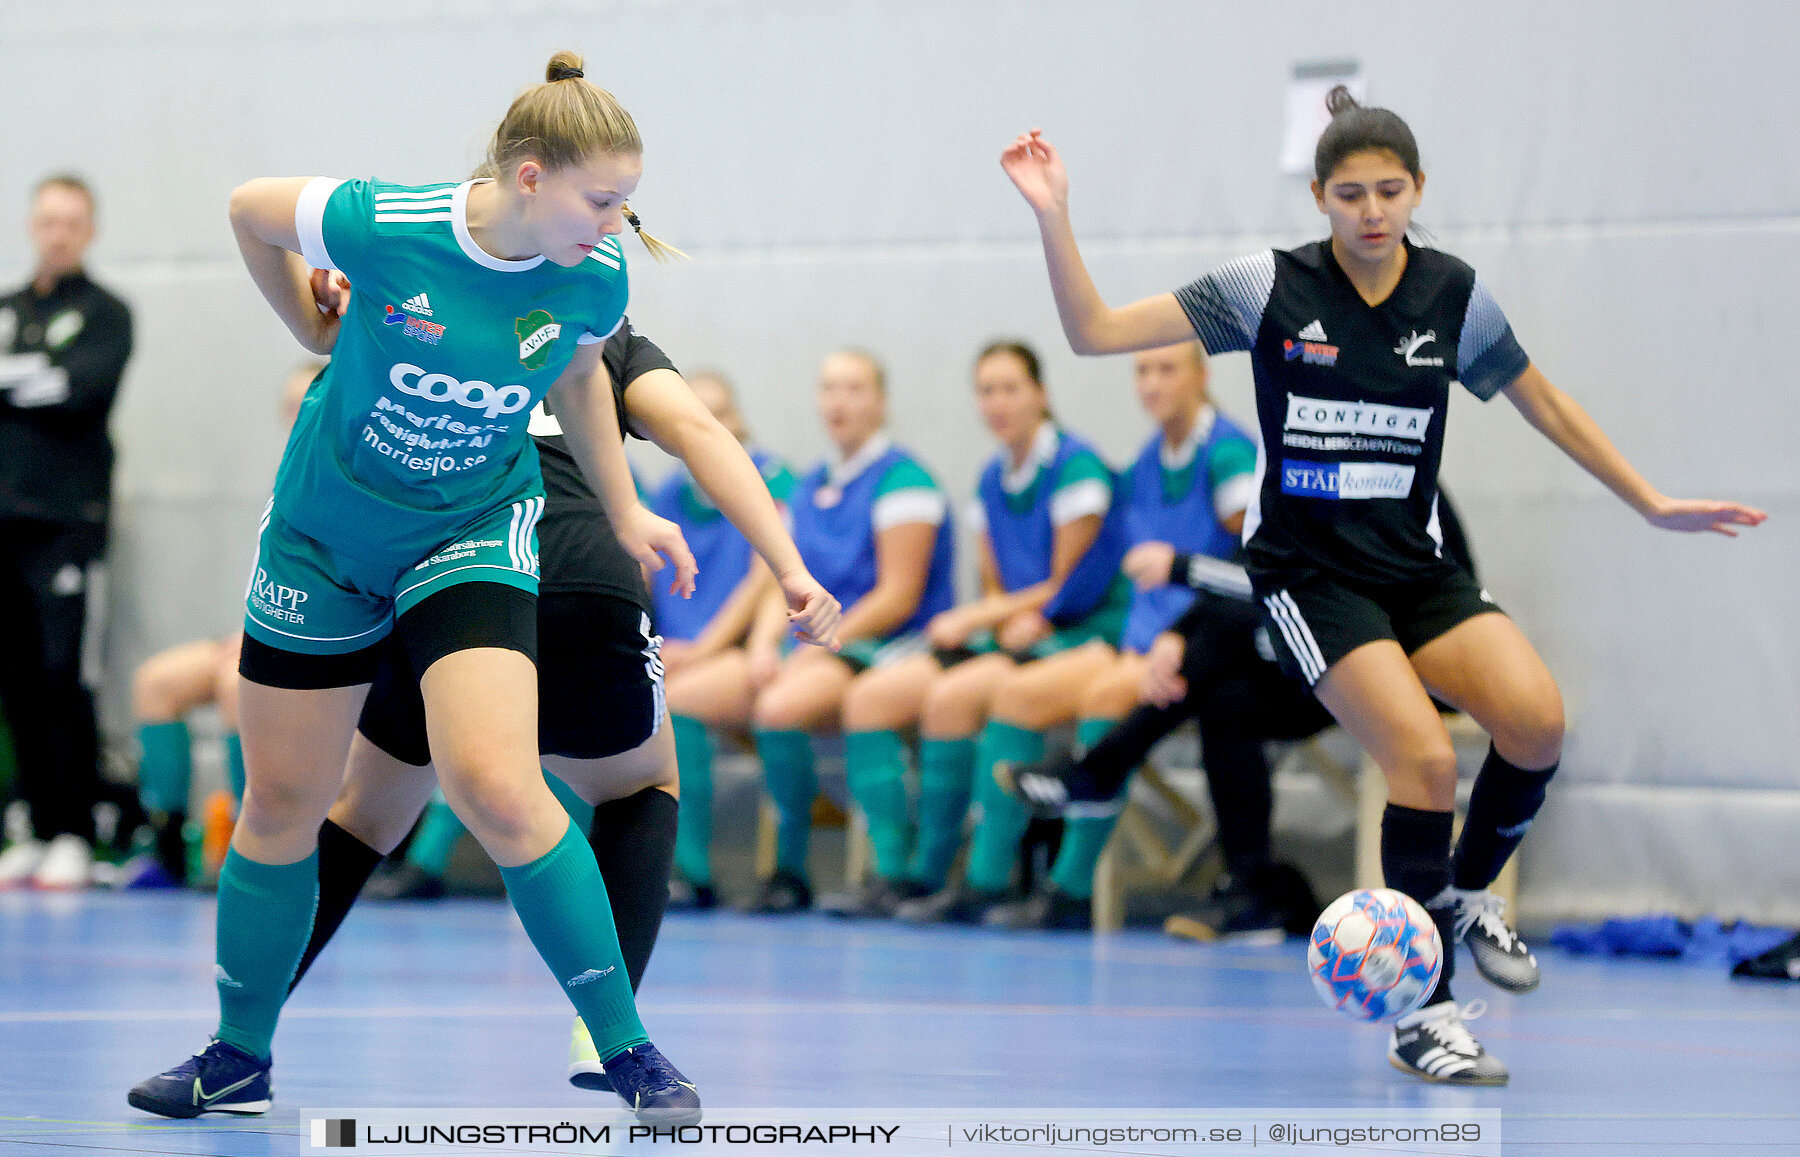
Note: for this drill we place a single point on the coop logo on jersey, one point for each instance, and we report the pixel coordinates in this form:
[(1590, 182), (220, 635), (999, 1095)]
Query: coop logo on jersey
[(1313, 353), (1413, 342), (491, 400), (1324, 416), (1345, 480), (429, 332), (536, 331)]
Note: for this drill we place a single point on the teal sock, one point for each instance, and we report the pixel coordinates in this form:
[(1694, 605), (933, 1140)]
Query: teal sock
[(1084, 836), (945, 766), (1091, 731), (437, 835), (875, 764), (693, 830), (265, 918), (234, 764), (562, 902), (581, 812), (787, 760), (168, 766), (1003, 818)]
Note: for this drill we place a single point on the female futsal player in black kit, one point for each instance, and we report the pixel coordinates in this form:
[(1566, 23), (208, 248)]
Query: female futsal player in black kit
[(1354, 344), (600, 712)]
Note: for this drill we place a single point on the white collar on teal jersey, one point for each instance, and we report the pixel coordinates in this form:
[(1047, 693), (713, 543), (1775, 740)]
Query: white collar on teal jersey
[(844, 471), (459, 224), (1180, 456), (1043, 448)]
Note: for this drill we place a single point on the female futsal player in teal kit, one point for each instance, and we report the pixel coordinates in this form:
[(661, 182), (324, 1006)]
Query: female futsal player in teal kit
[(406, 502)]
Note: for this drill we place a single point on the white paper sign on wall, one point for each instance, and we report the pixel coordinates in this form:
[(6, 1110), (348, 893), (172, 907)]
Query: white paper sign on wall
[(1306, 115)]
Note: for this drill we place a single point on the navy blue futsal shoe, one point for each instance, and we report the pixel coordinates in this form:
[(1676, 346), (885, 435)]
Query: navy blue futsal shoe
[(220, 1078), (653, 1088)]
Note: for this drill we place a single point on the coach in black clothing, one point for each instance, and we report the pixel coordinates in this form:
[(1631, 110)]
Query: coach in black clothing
[(63, 345)]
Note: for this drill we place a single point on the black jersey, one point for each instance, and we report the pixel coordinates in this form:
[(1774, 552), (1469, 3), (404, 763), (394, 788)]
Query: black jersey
[(1352, 402), (56, 460), (575, 538)]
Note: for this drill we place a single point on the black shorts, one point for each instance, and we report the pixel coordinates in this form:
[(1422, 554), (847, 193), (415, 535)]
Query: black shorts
[(457, 618), (600, 689), (1315, 620)]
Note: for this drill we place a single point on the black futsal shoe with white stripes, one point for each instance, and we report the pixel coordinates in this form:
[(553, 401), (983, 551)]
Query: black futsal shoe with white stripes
[(1435, 1045), (1500, 955), (1781, 962), (653, 1088), (1043, 786), (220, 1078)]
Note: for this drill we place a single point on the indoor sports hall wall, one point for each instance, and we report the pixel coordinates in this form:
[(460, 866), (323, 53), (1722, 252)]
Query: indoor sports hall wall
[(1623, 173)]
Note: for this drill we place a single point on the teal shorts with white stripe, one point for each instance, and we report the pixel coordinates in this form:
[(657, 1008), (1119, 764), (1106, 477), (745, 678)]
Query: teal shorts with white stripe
[(308, 597)]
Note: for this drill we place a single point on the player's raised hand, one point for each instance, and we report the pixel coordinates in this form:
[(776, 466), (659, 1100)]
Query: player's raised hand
[(1163, 683), (1037, 171), (1695, 514), (813, 611), (649, 538), (1147, 564)]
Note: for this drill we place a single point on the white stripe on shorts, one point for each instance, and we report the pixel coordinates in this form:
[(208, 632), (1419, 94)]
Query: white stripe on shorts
[(1306, 634), (530, 539), (518, 539), (653, 666), (1291, 634)]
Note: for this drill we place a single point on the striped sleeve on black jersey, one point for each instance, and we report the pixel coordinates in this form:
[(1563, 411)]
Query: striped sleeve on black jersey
[(1488, 357), (1226, 306)]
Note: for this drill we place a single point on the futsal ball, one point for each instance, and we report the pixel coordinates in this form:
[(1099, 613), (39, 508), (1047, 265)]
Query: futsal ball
[(1375, 954)]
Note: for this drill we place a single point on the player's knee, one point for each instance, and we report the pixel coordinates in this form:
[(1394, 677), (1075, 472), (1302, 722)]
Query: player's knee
[(155, 698), (951, 709), (1111, 697), (1022, 705), (1432, 768), (779, 709), (1532, 735), (274, 808), (497, 807), (870, 704)]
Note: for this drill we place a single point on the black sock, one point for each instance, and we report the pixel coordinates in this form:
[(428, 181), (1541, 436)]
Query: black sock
[(634, 842), (1502, 806), (1415, 859), (171, 842), (345, 864), (1106, 766), (1237, 776)]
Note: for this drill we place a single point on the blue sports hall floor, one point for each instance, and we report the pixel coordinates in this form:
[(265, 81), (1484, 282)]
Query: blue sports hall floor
[(446, 1005)]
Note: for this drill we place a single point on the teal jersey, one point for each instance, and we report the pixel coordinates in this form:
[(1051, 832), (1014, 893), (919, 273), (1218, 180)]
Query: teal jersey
[(419, 423)]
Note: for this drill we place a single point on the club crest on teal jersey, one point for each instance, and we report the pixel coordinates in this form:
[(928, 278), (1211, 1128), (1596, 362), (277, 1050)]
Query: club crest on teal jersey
[(537, 331)]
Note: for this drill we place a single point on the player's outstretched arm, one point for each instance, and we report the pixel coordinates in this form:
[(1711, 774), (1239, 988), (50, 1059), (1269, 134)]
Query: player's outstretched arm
[(583, 400), (262, 217), (666, 410), (1092, 326), (1561, 419)]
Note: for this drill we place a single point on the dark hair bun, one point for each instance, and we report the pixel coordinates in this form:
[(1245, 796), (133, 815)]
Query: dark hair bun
[(1339, 100)]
